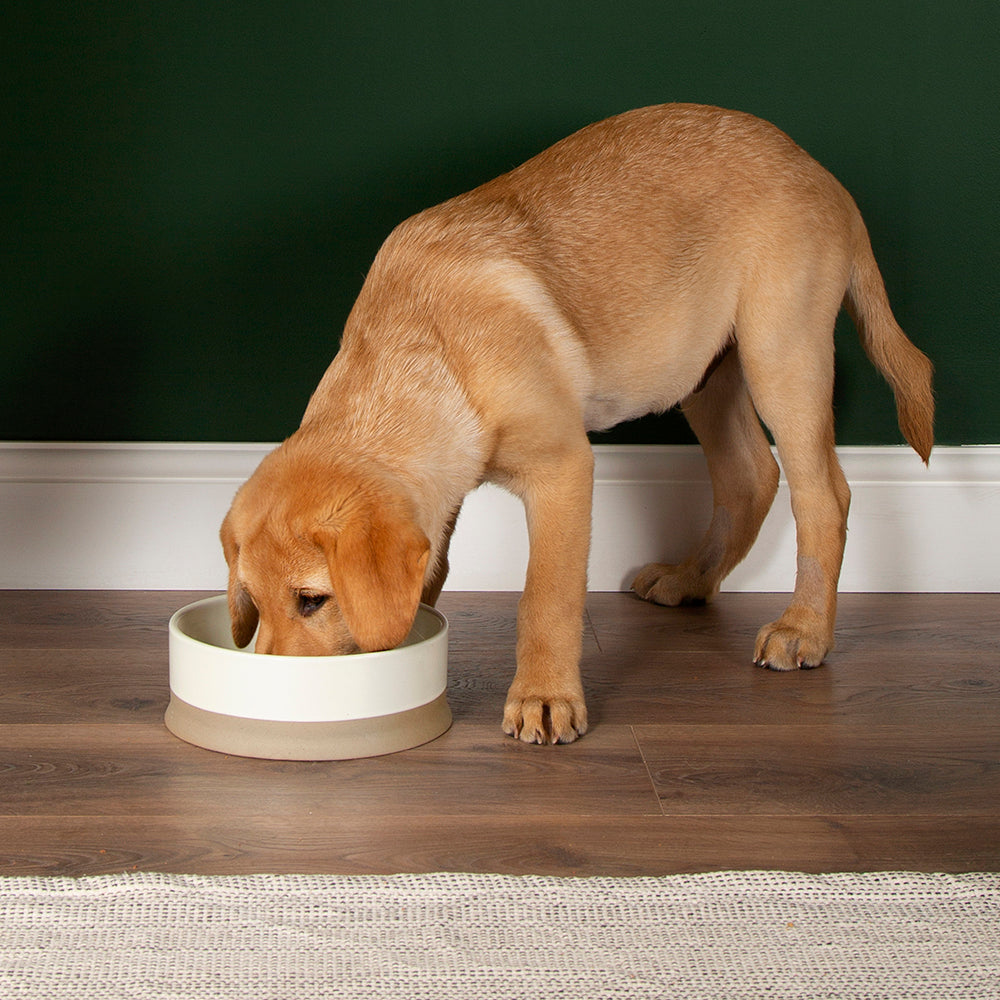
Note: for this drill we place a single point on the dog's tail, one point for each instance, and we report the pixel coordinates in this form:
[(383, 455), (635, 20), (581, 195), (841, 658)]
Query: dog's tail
[(907, 369)]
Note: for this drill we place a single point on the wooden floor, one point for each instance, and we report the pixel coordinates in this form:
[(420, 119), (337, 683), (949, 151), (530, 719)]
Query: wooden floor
[(888, 757)]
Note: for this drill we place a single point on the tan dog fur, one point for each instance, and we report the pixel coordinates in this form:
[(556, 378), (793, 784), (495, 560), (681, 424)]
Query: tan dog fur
[(671, 255)]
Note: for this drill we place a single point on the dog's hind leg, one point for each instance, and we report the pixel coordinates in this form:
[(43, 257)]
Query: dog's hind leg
[(790, 377), (744, 481)]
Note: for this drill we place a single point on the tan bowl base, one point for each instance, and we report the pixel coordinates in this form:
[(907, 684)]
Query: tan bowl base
[(308, 740)]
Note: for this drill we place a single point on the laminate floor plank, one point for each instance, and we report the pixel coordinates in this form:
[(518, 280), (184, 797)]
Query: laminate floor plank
[(869, 623), (74, 687), (342, 843), (89, 619), (824, 770), (656, 687), (471, 769)]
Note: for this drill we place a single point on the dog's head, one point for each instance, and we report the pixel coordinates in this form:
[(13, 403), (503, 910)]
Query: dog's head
[(323, 560)]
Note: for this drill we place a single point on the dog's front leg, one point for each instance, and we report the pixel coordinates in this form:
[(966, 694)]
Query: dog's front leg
[(545, 703), (438, 573)]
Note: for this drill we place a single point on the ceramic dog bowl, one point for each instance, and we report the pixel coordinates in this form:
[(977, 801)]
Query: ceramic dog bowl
[(304, 707)]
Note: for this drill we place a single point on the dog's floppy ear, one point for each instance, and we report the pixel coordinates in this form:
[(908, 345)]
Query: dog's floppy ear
[(377, 567), (242, 611)]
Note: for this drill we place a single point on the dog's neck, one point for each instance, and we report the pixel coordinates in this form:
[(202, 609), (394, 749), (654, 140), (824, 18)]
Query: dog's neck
[(407, 416)]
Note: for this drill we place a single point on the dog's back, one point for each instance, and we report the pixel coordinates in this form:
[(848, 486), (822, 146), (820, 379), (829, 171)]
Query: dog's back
[(650, 241)]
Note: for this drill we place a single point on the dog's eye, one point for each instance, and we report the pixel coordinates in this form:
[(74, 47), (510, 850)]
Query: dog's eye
[(309, 604)]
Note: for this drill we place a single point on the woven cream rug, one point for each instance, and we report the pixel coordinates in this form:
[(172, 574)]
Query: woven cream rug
[(722, 936)]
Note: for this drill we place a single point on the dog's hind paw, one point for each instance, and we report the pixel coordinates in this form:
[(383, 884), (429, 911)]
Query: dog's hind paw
[(545, 720), (672, 585)]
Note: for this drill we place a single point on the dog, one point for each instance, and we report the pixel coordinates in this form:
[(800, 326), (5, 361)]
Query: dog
[(672, 255)]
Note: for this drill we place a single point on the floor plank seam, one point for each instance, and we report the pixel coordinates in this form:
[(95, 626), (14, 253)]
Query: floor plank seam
[(649, 773), (593, 630)]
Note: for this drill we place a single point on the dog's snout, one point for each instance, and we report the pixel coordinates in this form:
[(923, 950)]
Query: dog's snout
[(299, 641), (265, 641)]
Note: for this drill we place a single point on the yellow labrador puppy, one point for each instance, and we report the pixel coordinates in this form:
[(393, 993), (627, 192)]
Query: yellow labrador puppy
[(671, 255)]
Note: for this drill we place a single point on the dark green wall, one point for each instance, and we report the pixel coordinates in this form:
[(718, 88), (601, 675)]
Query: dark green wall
[(193, 191)]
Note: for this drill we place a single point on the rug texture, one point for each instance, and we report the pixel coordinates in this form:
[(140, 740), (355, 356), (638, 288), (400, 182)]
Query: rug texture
[(722, 936)]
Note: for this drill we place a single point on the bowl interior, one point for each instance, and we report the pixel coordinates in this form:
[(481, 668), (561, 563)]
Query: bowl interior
[(207, 621)]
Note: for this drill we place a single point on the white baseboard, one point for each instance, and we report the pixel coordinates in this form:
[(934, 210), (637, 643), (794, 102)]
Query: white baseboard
[(146, 516)]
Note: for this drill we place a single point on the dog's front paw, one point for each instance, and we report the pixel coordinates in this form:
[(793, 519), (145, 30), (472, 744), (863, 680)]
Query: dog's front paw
[(545, 719), (672, 585), (793, 642)]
